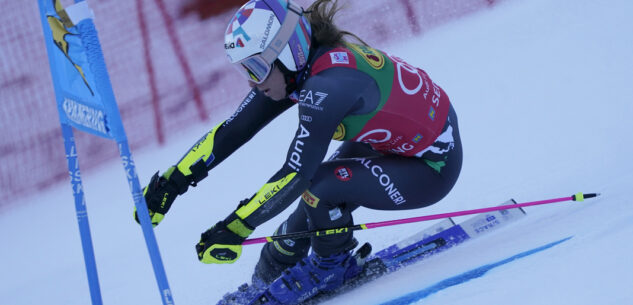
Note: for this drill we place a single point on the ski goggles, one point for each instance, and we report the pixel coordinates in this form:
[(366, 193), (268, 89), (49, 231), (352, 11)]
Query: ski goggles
[(256, 68)]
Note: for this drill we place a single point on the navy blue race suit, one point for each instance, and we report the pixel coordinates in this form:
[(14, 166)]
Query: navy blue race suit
[(401, 147)]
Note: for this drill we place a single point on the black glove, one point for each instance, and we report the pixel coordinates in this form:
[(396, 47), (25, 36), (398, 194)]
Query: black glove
[(222, 243), (161, 192)]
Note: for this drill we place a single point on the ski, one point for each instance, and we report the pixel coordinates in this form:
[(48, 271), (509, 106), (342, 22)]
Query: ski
[(421, 245), (377, 266)]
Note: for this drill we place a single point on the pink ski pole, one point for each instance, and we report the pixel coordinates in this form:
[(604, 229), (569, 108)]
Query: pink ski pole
[(373, 225)]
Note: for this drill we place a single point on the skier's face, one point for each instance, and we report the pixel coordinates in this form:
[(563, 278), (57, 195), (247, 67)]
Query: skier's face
[(274, 86)]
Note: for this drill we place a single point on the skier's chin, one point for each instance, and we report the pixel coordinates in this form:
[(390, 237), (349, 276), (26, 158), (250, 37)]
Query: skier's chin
[(275, 96)]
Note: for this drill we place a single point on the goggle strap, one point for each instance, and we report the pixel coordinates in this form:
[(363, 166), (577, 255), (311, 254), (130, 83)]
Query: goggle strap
[(286, 30)]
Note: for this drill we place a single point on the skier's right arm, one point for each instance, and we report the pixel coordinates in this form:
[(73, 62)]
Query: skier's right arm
[(255, 112)]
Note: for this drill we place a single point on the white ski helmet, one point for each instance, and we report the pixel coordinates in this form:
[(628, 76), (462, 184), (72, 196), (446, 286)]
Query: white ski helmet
[(265, 30)]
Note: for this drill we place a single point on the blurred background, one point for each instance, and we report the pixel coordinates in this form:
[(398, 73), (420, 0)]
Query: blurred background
[(168, 71)]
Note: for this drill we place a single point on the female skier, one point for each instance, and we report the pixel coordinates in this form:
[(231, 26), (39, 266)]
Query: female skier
[(401, 147)]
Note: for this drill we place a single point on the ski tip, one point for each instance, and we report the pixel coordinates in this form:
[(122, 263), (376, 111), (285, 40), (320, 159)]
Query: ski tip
[(582, 197)]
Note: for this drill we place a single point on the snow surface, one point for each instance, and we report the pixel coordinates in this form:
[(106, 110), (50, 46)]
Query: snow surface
[(544, 97)]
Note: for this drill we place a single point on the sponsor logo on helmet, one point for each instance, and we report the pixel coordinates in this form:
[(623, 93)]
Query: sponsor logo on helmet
[(235, 28), (301, 56), (269, 25), (374, 58), (339, 134), (237, 44)]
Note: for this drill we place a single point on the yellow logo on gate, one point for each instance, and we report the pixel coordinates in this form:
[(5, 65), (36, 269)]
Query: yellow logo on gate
[(60, 32), (372, 56)]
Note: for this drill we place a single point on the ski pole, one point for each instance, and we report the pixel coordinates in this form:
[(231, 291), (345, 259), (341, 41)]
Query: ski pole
[(373, 225)]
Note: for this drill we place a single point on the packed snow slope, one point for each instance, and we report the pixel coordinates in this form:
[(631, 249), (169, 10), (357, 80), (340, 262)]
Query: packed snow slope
[(543, 93)]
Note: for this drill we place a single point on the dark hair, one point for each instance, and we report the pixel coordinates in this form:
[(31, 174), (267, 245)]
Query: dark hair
[(324, 32)]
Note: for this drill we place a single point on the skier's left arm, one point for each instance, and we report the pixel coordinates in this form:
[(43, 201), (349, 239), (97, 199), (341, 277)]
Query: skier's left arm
[(323, 104)]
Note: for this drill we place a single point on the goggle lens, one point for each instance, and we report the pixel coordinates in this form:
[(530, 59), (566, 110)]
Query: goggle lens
[(255, 69)]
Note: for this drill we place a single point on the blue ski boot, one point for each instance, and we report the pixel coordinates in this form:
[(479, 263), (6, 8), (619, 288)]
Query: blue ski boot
[(313, 275), (245, 293), (269, 267)]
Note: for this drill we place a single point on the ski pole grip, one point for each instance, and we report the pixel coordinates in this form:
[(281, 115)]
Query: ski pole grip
[(582, 197)]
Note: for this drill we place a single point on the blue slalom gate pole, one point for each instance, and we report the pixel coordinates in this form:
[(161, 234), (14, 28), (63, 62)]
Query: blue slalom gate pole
[(82, 214), (85, 101), (146, 223), (93, 50)]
